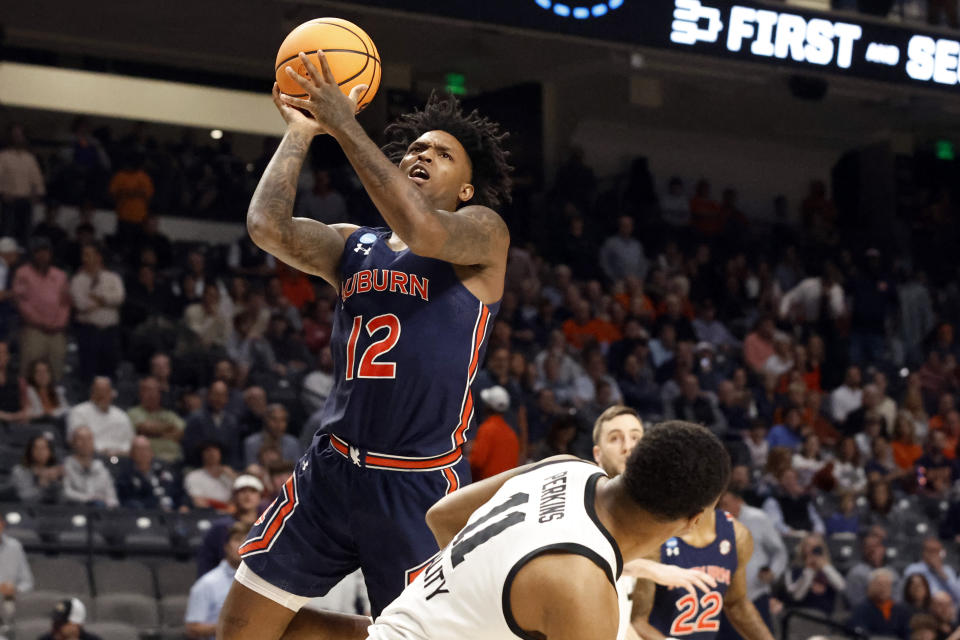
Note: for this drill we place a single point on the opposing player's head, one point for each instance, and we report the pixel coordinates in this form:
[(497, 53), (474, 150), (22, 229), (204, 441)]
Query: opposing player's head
[(676, 473), (615, 433), (454, 158)]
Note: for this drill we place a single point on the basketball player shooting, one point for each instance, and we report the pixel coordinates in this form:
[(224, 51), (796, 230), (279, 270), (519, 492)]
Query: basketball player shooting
[(416, 302)]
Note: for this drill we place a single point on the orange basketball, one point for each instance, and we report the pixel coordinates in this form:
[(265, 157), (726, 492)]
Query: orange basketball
[(352, 56)]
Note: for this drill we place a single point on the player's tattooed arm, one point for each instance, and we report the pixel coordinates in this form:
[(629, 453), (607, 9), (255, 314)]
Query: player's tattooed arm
[(740, 611), (471, 236), (308, 245)]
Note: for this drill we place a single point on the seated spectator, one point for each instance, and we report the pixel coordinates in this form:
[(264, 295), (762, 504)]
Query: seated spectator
[(163, 427), (813, 582), (951, 429), (86, 479), (210, 486), (559, 438), (110, 425), (696, 406), (790, 433), (758, 345), (247, 259), (586, 386), (847, 397), (756, 441), (291, 353), (209, 592), (250, 351), (247, 494), (732, 405), (945, 611), (941, 577), (317, 324), (791, 509), (781, 360), (906, 449), (212, 423), (808, 460), (41, 397), (274, 435), (847, 468), (145, 483), (147, 298), (161, 370), (67, 622), (878, 614), (621, 255), (935, 472), (845, 519), (585, 327), (916, 593), (881, 466), (708, 329), (10, 400), (874, 556), (318, 384), (38, 479), (495, 447), (945, 404), (253, 417), (207, 320), (869, 407), (913, 405), (886, 406), (15, 575), (279, 304)]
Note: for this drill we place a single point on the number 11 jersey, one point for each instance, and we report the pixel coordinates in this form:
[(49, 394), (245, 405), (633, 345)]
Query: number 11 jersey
[(408, 339), (464, 592)]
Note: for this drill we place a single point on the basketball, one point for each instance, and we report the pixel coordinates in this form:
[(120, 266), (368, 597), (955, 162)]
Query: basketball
[(352, 56)]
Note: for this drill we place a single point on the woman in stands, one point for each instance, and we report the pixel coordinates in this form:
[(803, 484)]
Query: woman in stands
[(814, 582), (41, 398), (39, 477), (916, 593)]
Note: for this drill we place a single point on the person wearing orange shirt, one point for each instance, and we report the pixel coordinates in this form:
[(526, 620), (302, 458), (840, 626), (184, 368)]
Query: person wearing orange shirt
[(906, 449), (581, 328), (131, 189), (496, 447)]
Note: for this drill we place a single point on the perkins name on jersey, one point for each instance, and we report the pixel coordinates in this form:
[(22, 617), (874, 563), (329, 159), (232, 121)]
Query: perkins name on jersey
[(553, 497), (367, 280)]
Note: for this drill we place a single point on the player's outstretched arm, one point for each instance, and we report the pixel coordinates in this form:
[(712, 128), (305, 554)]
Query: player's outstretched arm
[(564, 597), (642, 598), (741, 612), (450, 514), (669, 575), (472, 236), (308, 245)]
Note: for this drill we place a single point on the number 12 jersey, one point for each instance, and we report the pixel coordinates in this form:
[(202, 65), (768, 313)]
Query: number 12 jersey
[(464, 592)]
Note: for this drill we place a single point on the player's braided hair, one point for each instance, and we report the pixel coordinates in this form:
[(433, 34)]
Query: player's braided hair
[(481, 137)]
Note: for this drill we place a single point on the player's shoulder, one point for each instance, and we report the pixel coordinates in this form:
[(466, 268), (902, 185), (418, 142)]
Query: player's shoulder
[(742, 535), (486, 216), (563, 595)]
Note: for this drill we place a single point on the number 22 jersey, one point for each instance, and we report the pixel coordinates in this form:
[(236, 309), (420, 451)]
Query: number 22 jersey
[(464, 592), (408, 338)]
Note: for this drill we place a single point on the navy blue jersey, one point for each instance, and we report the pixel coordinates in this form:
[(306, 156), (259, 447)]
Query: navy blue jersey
[(675, 612), (408, 339)]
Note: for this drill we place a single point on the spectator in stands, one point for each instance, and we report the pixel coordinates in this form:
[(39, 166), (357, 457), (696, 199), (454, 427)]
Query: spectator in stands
[(694, 405), (706, 215), (9, 259), (147, 300), (935, 472), (756, 441), (808, 460), (247, 259), (621, 255), (38, 479), (874, 556), (781, 361), (43, 300), (323, 202), (67, 622), (945, 611), (916, 315), (847, 467), (874, 298), (846, 519), (906, 449), (708, 329), (788, 434), (161, 371), (210, 486), (587, 385), (856, 419), (42, 399), (878, 614), (287, 346), (15, 575), (163, 427), (585, 328), (791, 509), (209, 592), (916, 593), (110, 425), (143, 482), (207, 320), (769, 559), (21, 184), (131, 189), (273, 436), (814, 582), (495, 447), (86, 479), (279, 304), (758, 345), (97, 295), (248, 491), (295, 287), (847, 397), (152, 239), (212, 423), (941, 577), (804, 304)]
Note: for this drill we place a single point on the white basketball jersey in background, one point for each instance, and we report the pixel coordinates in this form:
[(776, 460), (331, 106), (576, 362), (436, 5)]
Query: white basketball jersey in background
[(464, 593)]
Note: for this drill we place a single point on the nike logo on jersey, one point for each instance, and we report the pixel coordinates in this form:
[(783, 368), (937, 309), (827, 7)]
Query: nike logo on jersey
[(381, 280)]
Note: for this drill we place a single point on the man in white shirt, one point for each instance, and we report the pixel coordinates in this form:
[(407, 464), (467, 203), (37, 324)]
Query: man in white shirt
[(622, 255), (21, 184), (9, 257), (86, 479), (803, 303), (940, 576), (208, 593), (15, 574), (847, 397), (97, 295), (110, 425)]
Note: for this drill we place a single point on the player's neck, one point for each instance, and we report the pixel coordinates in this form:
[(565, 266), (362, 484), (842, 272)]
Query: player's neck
[(638, 534), (705, 532)]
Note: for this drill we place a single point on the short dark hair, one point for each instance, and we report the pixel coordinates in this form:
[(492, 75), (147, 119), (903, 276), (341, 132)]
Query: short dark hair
[(677, 470), (481, 138), (609, 414)]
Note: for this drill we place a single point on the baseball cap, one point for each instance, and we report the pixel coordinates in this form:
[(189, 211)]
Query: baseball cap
[(9, 245), (247, 481), (496, 397), (70, 610)]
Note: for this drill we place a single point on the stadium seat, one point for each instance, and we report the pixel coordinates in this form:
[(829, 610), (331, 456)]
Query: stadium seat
[(130, 608), (178, 633), (40, 603), (61, 574), (173, 609), (122, 576), (113, 631), (67, 526), (174, 577), (130, 530), (187, 530), (21, 523), (31, 628), (844, 551)]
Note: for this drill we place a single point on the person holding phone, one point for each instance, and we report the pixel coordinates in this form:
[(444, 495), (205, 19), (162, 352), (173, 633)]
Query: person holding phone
[(814, 582)]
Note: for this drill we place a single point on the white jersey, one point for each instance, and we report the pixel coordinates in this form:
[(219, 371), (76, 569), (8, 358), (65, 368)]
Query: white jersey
[(464, 591)]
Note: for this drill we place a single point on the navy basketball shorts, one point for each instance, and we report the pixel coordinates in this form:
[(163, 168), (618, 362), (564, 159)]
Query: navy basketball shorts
[(336, 514)]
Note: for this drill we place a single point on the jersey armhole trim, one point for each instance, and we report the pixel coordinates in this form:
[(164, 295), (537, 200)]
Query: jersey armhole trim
[(565, 547), (589, 500)]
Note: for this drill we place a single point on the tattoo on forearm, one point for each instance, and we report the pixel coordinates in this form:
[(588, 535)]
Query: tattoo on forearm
[(272, 202)]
